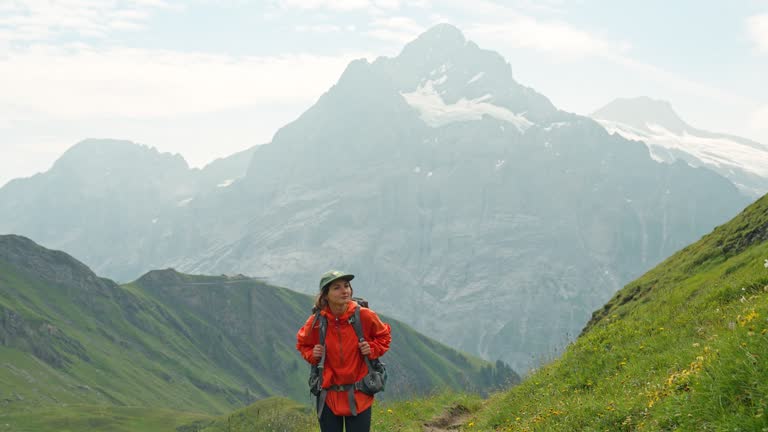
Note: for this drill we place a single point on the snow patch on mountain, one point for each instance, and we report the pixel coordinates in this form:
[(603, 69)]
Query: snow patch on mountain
[(476, 77), (184, 202), (435, 112), (556, 125), (441, 70), (717, 152)]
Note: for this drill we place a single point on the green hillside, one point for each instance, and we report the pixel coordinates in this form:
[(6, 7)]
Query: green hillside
[(684, 347), (71, 342), (92, 418), (268, 415)]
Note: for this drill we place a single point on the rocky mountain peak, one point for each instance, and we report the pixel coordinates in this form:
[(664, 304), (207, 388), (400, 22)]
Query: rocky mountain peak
[(164, 277), (96, 155), (435, 42), (51, 265), (443, 72), (444, 56), (643, 113)]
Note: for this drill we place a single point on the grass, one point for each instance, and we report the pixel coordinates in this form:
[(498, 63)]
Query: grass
[(685, 348), (84, 418), (411, 415), (269, 415), (280, 415)]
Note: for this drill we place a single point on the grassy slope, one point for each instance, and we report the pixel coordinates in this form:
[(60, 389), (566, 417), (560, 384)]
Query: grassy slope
[(119, 361), (268, 415), (685, 347), (282, 415), (81, 418), (176, 347)]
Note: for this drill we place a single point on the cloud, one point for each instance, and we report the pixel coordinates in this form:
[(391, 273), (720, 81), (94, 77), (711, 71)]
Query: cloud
[(388, 4), (504, 28), (335, 5), (759, 120), (547, 36), (757, 26), (513, 25), (320, 28), (400, 30), (681, 83), (147, 83), (374, 8), (35, 21)]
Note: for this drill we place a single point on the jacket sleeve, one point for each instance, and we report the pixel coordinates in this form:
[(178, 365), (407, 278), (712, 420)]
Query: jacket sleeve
[(377, 333), (306, 339)]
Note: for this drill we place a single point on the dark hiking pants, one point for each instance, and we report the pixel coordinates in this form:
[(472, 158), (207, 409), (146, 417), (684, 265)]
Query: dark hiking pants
[(330, 422)]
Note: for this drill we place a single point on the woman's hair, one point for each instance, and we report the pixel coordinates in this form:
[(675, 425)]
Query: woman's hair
[(321, 299)]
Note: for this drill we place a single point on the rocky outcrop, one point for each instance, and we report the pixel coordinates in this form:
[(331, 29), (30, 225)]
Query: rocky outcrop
[(39, 338)]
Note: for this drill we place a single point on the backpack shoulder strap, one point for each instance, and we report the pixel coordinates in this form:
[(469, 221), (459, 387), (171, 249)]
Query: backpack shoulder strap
[(323, 330), (358, 325)]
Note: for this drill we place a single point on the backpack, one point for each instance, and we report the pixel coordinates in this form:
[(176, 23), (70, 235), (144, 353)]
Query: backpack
[(373, 382)]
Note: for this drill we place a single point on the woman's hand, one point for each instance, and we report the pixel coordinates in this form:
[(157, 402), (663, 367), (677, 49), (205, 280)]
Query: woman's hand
[(365, 349), (317, 351)]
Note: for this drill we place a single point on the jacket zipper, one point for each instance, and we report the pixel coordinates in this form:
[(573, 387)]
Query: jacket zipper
[(341, 346)]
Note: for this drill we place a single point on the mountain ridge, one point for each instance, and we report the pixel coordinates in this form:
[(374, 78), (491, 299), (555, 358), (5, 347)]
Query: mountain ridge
[(669, 138), (190, 343)]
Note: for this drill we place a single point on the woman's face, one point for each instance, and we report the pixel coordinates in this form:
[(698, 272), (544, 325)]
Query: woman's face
[(339, 292)]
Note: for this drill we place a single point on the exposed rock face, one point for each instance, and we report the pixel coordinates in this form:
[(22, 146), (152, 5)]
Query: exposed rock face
[(468, 204), (105, 200), (41, 338), (498, 233)]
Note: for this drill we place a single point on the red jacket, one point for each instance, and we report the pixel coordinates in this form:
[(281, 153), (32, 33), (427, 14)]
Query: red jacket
[(344, 364)]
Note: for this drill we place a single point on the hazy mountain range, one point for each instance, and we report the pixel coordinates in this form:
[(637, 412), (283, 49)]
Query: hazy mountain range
[(469, 206)]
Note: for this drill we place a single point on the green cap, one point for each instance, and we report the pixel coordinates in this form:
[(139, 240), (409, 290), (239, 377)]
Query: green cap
[(333, 275)]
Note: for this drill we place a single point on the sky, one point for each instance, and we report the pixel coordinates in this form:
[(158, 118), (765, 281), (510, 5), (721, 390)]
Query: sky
[(207, 78)]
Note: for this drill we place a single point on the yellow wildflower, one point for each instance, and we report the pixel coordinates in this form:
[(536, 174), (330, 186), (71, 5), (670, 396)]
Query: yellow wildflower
[(748, 318)]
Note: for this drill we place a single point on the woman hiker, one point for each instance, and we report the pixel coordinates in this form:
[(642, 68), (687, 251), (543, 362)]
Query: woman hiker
[(342, 356)]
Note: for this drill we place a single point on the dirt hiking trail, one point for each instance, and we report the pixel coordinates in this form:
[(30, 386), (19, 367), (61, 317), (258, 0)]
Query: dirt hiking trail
[(449, 421)]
